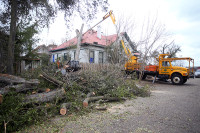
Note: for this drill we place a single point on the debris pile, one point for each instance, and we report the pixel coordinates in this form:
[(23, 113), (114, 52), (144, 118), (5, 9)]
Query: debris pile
[(54, 93)]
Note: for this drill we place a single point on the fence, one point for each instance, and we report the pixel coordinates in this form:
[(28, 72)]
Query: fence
[(99, 67)]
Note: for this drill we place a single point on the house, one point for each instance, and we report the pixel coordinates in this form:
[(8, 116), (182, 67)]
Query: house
[(41, 49), (32, 63), (92, 49)]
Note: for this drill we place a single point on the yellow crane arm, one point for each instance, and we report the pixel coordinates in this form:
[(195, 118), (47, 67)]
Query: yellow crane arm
[(127, 50), (111, 15)]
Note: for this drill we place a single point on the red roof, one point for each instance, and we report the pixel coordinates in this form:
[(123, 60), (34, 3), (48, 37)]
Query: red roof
[(89, 37)]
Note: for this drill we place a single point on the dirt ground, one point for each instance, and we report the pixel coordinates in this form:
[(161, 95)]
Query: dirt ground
[(169, 109)]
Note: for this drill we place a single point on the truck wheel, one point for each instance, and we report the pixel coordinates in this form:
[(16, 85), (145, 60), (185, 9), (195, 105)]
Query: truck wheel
[(177, 79), (144, 76), (184, 80), (134, 75)]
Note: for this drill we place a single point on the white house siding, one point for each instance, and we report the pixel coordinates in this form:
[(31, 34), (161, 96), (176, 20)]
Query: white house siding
[(84, 54), (57, 54), (96, 56)]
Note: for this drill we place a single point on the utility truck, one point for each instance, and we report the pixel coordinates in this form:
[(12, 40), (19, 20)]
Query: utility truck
[(166, 70)]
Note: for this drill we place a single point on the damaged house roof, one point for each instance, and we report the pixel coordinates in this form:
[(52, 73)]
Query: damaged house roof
[(90, 38)]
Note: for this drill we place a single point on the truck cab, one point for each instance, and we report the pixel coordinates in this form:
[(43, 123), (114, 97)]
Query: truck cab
[(178, 75)]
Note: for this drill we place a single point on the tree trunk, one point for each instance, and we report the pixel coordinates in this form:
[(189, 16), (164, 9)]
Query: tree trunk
[(79, 38), (11, 42), (16, 88), (45, 97), (11, 79)]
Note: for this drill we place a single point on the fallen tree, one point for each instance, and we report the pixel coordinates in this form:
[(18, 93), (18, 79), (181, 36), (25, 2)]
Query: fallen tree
[(107, 84), (16, 84), (16, 88), (45, 96), (51, 79), (13, 80)]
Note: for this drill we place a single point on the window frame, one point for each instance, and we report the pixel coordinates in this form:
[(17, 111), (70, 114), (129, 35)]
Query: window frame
[(93, 56), (101, 58)]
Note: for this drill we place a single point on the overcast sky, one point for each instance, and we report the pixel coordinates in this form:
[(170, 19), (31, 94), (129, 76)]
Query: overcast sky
[(181, 18)]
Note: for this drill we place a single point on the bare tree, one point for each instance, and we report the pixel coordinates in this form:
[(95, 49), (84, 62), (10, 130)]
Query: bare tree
[(79, 38), (171, 48)]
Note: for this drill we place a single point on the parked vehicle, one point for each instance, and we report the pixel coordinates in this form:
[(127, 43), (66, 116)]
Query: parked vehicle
[(165, 70), (197, 73)]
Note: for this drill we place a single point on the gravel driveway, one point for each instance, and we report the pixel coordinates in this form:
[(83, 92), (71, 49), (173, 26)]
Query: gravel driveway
[(170, 109)]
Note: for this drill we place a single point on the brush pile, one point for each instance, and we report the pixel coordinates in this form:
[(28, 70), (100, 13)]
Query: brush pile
[(46, 91)]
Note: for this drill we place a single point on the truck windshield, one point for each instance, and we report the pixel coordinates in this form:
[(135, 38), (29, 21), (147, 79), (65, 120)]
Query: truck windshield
[(165, 63)]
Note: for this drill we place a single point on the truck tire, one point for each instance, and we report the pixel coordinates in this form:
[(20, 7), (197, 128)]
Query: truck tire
[(177, 79), (144, 76), (184, 79)]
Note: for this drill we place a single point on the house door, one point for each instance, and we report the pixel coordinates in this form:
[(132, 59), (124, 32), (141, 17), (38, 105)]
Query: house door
[(53, 58)]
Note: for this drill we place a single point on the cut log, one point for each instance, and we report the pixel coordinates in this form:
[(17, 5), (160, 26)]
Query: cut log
[(16, 88), (11, 79), (51, 79), (90, 94), (92, 99), (41, 90), (1, 98), (101, 107), (64, 107), (34, 92), (47, 90), (45, 97)]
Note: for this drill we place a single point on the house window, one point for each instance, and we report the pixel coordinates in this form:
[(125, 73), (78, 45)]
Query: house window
[(65, 56), (101, 57), (74, 54), (91, 57), (95, 42)]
